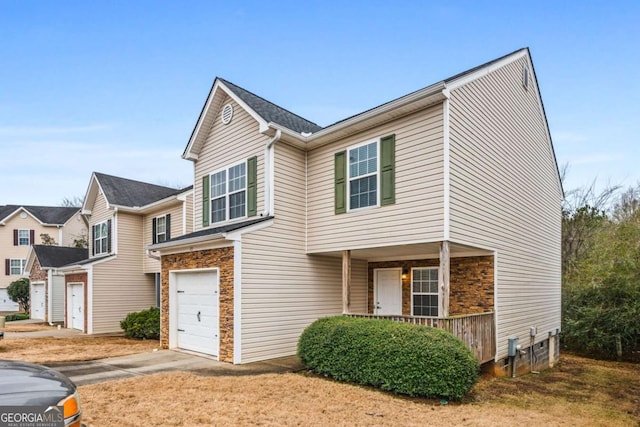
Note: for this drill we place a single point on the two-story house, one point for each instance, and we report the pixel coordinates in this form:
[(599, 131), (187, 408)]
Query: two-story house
[(22, 226), (441, 207), (124, 216)]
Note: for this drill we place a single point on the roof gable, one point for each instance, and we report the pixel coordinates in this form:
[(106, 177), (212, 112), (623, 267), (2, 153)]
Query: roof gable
[(46, 215), (263, 111), (124, 192)]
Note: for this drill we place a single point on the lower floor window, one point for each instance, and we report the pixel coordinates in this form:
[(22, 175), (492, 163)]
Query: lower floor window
[(424, 291), (16, 267)]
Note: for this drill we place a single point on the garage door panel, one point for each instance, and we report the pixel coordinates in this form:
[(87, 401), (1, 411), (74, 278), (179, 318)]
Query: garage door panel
[(197, 312), (6, 304)]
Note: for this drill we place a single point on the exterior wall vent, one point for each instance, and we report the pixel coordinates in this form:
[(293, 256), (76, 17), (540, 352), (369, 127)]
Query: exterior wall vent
[(227, 114)]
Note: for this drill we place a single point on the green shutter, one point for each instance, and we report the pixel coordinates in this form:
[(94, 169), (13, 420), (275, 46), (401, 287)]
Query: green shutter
[(340, 175), (252, 186), (387, 170), (205, 201)]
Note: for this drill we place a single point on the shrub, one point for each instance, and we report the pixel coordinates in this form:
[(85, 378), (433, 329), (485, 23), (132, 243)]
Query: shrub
[(402, 358), (17, 316), (19, 292), (143, 324)]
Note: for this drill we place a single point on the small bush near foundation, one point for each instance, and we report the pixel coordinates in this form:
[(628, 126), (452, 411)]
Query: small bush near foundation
[(143, 324), (16, 316), (398, 357)]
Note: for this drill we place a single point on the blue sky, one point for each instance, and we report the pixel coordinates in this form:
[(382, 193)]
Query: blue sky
[(117, 86)]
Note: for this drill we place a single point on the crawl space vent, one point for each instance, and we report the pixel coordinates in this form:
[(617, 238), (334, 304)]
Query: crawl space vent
[(227, 114)]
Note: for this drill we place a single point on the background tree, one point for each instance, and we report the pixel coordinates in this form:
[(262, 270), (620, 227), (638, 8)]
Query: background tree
[(72, 202), (18, 291), (47, 240)]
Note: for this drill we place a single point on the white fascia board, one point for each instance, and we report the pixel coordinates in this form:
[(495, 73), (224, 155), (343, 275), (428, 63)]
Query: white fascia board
[(237, 234), (189, 153), (468, 78), (202, 246), (90, 194), (77, 268), (31, 257), (167, 247)]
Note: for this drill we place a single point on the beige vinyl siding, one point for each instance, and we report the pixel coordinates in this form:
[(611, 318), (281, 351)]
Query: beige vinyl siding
[(151, 265), (417, 214), (119, 285), (99, 213), (283, 289), (505, 195), (74, 229), (9, 251), (226, 145), (189, 214)]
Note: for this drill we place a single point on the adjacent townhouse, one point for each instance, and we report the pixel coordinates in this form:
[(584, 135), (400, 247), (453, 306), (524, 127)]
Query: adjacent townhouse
[(441, 207), (47, 302), (117, 277), (22, 226)]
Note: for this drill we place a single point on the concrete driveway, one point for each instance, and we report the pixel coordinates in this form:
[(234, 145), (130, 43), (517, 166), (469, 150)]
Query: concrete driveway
[(115, 368)]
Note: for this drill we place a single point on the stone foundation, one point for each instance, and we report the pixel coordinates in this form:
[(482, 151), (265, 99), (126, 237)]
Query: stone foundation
[(223, 259), (471, 282)]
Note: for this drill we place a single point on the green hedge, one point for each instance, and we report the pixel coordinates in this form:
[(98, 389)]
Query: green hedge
[(402, 358), (143, 324), (17, 316)]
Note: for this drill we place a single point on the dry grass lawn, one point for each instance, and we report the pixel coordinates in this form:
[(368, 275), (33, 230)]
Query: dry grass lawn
[(27, 327), (69, 349), (578, 392)]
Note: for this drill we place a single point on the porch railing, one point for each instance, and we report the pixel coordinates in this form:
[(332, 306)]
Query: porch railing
[(477, 331)]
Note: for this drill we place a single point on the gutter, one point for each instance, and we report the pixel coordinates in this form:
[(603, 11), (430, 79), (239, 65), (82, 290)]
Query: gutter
[(269, 177)]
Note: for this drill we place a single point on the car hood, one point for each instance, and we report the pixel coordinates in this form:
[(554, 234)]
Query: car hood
[(24, 383)]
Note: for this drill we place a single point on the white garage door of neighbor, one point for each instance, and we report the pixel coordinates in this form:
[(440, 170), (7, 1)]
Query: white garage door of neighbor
[(37, 301), (76, 308), (197, 311), (5, 302)]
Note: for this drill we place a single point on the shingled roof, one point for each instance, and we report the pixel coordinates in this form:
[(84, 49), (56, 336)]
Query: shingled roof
[(270, 112), (54, 215), (131, 193), (57, 256)]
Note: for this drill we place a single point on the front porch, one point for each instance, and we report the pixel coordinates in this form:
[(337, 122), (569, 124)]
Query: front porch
[(442, 285)]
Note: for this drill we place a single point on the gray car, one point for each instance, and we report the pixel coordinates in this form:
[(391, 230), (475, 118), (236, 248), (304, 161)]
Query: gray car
[(27, 384)]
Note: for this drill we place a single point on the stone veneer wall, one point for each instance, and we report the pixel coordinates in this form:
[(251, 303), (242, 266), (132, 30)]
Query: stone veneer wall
[(222, 259), (471, 283), (37, 274), (76, 278)]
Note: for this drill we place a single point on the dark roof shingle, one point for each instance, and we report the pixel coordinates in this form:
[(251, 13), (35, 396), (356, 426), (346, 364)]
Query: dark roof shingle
[(56, 215), (57, 256), (131, 193)]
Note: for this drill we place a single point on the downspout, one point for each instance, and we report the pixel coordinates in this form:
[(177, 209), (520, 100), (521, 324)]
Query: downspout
[(268, 174)]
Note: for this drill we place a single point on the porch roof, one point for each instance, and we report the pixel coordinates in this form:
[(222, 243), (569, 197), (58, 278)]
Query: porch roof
[(408, 251)]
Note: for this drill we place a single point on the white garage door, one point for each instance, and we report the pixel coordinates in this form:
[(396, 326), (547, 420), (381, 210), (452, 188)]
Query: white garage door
[(197, 312), (37, 301), (5, 302)]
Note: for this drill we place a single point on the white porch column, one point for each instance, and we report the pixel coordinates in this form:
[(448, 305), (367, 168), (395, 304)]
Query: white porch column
[(346, 281), (443, 279)]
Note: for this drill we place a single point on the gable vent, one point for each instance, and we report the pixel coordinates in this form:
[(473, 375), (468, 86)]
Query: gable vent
[(227, 114)]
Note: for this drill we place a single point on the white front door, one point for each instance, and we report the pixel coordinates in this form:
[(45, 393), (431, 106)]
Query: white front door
[(388, 291), (37, 301), (76, 306), (197, 311)]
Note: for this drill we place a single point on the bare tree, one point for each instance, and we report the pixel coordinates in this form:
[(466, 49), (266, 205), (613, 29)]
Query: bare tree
[(72, 202)]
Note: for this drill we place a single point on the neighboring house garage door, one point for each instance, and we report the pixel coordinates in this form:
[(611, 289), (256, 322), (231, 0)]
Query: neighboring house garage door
[(197, 319), (5, 302), (37, 301)]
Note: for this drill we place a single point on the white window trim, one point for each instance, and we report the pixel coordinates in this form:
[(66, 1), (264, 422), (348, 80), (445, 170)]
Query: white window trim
[(227, 194), (165, 228), (23, 264), (377, 174), (95, 248), (29, 242), (422, 293)]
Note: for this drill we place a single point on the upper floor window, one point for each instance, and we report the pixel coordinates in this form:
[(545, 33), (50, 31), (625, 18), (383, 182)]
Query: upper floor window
[(23, 237), (424, 291), (161, 226), (102, 238), (364, 175), (229, 193), (15, 267)]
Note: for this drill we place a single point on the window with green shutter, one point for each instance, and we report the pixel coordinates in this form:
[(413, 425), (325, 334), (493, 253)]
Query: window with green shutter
[(340, 187), (387, 170)]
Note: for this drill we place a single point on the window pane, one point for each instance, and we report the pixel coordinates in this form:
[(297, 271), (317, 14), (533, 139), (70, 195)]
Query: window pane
[(237, 205), (23, 237), (363, 192), (161, 225), (218, 210), (237, 176), (219, 184)]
